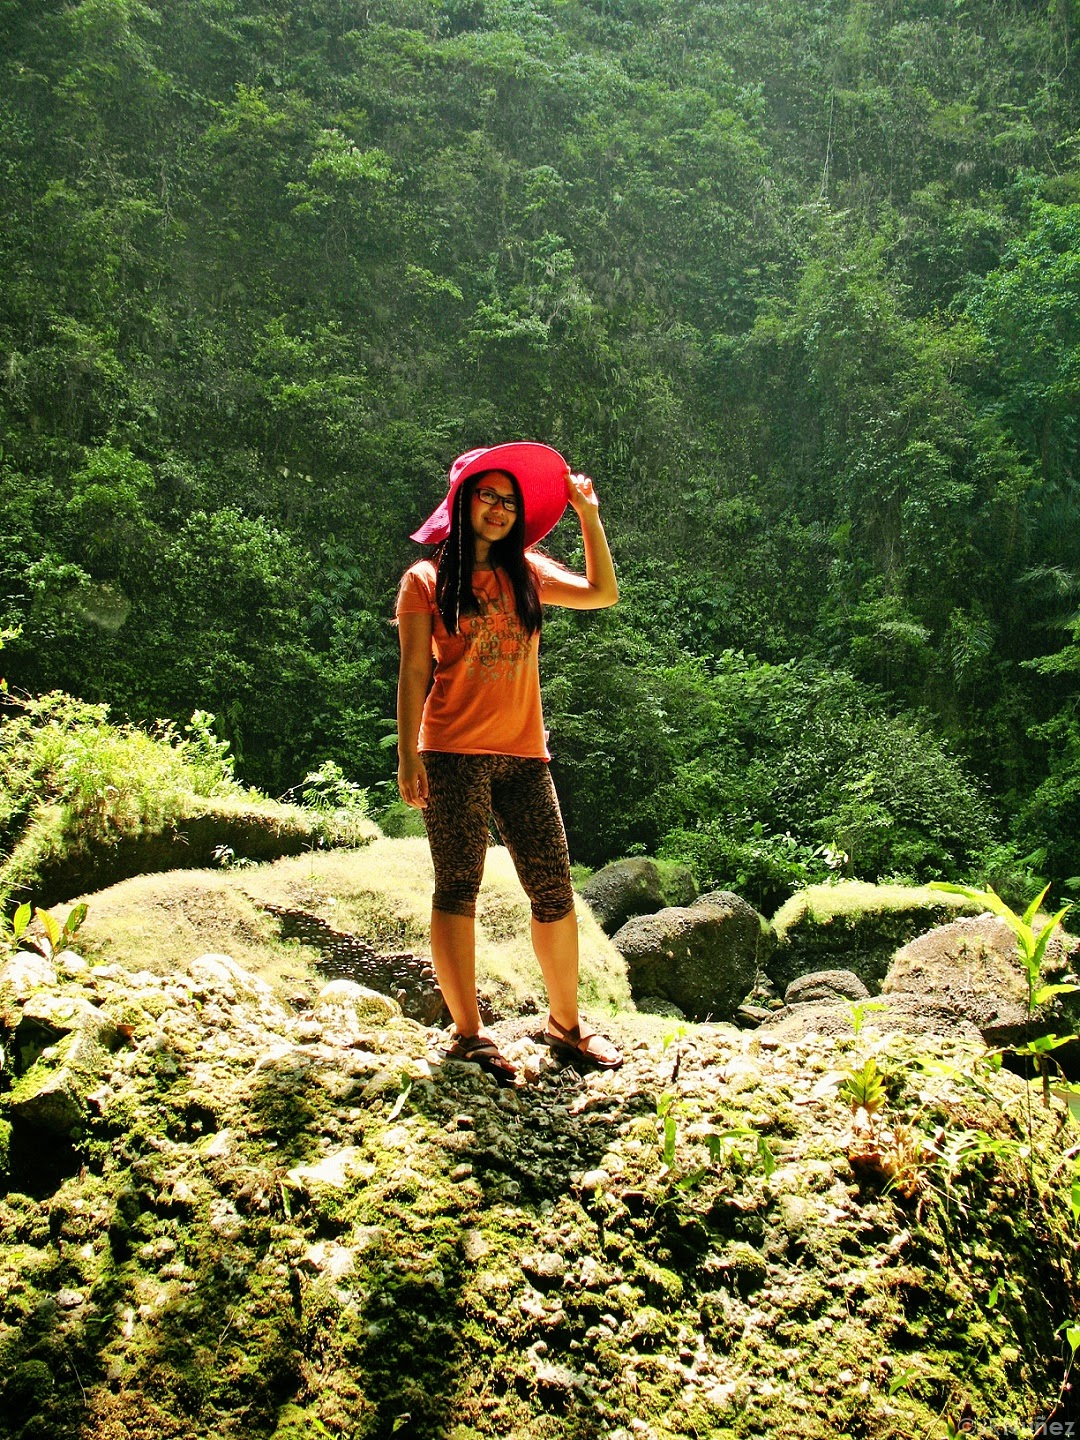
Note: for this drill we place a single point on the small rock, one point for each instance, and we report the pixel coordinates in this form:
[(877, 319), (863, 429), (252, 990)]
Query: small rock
[(825, 985), (751, 1015), (26, 972), (221, 973), (544, 1269), (70, 1299), (220, 1145), (225, 1220), (367, 1005), (473, 1245), (336, 1170), (594, 1179)]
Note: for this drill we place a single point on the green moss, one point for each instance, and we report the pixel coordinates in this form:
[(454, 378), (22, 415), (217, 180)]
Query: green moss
[(824, 904)]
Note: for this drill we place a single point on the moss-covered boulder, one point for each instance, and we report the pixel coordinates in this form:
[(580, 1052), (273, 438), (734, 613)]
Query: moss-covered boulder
[(854, 926), (638, 886), (52, 864), (255, 1190), (702, 957)]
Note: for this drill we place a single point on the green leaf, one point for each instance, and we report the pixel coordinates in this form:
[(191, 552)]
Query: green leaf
[(692, 1179), (901, 1381), (398, 1104), (1033, 909), (1043, 1044), (669, 1141), (75, 918), (1047, 992), (1045, 934), (994, 1294), (49, 924), (21, 920)]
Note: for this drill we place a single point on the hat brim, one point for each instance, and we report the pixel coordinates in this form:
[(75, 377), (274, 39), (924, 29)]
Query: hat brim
[(541, 475)]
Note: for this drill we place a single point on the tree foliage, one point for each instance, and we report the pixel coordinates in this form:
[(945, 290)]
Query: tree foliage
[(798, 285)]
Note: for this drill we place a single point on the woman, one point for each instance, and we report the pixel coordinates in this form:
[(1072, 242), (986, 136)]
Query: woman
[(474, 745)]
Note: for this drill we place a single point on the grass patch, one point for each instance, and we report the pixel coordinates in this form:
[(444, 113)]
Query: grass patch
[(381, 893)]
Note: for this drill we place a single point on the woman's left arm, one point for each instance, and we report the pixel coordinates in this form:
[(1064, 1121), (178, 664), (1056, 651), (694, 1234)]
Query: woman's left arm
[(598, 587)]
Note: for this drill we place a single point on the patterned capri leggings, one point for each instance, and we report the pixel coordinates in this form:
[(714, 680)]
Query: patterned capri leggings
[(464, 791)]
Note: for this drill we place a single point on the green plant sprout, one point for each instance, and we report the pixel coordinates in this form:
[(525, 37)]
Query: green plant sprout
[(15, 929), (721, 1145), (1071, 1332), (859, 1009), (864, 1088), (55, 937)]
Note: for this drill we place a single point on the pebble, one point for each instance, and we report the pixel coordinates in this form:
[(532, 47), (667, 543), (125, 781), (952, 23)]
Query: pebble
[(70, 1299), (473, 1245)]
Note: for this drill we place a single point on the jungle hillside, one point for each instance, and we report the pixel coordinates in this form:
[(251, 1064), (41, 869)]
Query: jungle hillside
[(797, 284)]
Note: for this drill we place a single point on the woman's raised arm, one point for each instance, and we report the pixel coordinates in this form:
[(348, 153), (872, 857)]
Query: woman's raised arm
[(598, 587)]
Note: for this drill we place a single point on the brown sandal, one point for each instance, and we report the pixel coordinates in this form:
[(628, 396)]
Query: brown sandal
[(481, 1050), (570, 1044)]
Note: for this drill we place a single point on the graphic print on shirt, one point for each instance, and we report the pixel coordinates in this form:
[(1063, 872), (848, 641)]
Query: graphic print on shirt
[(495, 640)]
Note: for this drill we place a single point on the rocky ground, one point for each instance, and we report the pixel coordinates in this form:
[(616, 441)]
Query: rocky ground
[(235, 1218)]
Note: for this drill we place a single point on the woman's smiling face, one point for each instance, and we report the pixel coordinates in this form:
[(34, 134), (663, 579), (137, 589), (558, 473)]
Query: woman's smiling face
[(491, 519)]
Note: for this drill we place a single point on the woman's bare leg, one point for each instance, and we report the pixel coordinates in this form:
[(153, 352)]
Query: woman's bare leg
[(453, 951), (556, 946)]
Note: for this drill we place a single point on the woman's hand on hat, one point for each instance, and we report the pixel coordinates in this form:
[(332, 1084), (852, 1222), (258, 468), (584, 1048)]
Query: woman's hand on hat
[(581, 493), (413, 782)]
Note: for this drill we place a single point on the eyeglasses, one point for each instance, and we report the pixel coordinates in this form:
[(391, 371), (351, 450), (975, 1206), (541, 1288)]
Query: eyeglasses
[(492, 497)]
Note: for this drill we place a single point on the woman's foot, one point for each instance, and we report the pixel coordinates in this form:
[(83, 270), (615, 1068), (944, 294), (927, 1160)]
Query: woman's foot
[(573, 1044), (483, 1051)]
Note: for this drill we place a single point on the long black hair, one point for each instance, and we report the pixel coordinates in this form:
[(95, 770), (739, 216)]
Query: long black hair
[(456, 557)]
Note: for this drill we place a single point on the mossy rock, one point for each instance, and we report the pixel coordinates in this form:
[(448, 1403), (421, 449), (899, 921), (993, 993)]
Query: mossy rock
[(702, 957), (380, 893), (854, 926), (638, 886)]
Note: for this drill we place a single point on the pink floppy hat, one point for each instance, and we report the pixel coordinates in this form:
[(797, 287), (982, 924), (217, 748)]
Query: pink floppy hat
[(539, 470)]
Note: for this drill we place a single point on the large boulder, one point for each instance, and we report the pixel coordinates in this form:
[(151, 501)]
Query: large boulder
[(702, 957), (854, 926), (971, 967), (638, 886)]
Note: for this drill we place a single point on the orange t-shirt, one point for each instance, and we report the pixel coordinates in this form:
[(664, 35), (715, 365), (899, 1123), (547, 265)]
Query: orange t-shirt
[(485, 694)]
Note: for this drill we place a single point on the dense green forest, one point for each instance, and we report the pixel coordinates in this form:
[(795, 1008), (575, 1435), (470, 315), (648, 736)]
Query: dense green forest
[(798, 284)]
